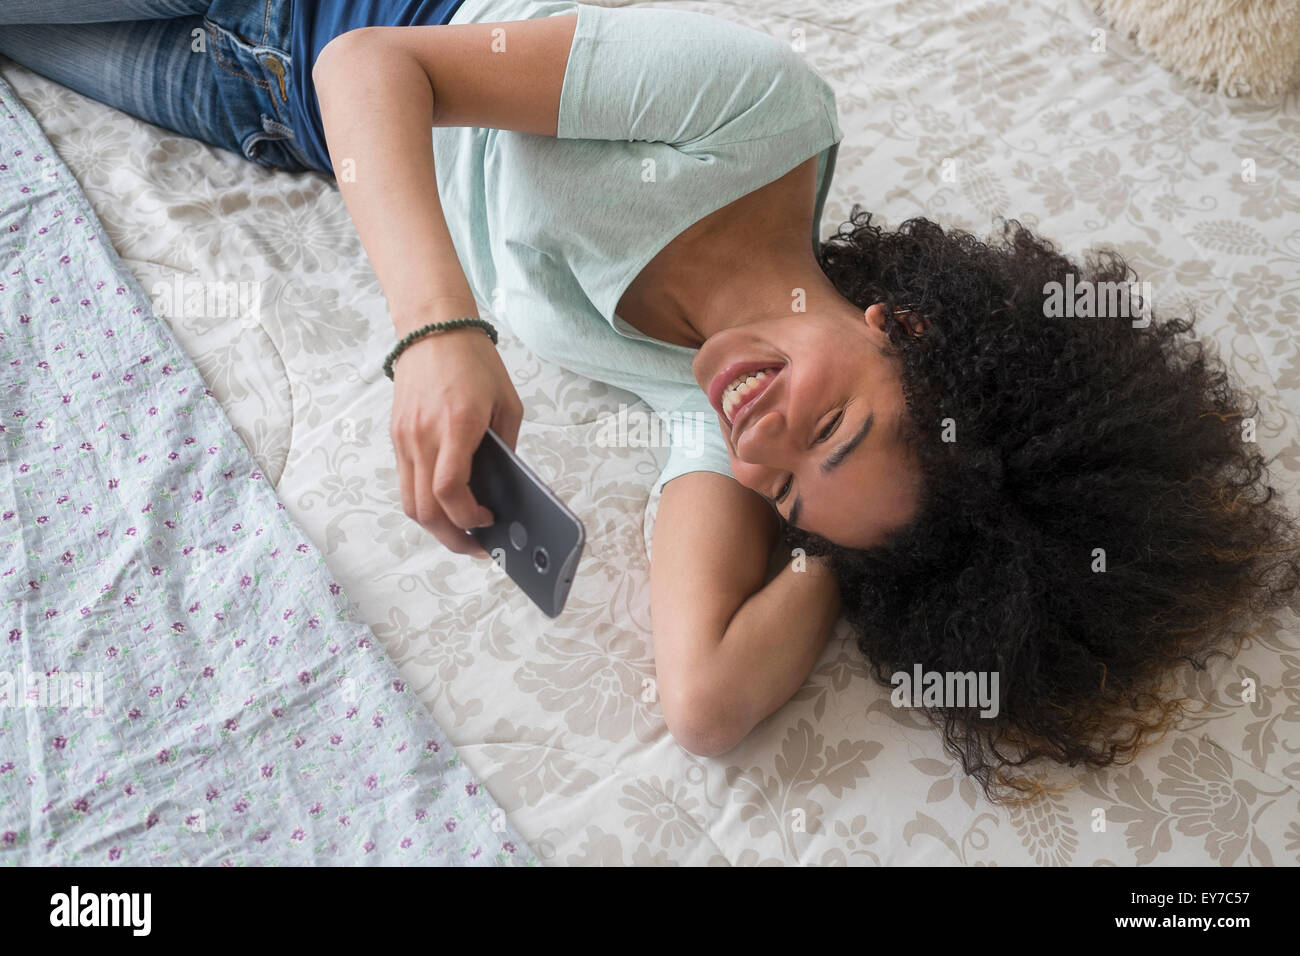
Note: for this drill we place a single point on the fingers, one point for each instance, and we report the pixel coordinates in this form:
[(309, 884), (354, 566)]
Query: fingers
[(452, 472), (507, 419), (436, 521), (406, 481), (435, 454), (415, 475)]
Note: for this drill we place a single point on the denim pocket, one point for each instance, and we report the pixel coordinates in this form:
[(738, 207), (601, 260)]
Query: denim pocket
[(254, 85)]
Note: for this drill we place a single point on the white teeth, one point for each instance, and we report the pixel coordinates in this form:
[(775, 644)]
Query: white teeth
[(734, 394)]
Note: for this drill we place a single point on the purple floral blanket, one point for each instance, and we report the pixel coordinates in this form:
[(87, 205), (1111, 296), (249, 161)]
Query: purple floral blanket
[(180, 680)]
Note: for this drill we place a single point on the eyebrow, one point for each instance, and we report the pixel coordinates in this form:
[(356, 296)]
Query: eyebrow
[(833, 460)]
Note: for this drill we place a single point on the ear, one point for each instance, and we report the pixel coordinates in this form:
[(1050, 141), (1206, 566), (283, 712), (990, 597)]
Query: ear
[(875, 317)]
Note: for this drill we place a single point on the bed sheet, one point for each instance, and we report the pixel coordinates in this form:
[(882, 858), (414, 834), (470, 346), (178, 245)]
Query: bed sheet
[(956, 109)]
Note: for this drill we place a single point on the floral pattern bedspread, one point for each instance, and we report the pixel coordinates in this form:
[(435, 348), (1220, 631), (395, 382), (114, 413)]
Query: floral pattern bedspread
[(181, 681), (960, 110)]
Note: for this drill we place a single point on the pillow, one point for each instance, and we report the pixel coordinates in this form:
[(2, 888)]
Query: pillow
[(1235, 47)]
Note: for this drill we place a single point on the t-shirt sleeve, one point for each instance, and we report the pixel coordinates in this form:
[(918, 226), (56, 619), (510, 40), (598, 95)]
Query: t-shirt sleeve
[(692, 80), (696, 443)]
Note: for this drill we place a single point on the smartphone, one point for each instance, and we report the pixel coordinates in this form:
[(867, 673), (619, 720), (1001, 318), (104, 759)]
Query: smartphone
[(535, 539)]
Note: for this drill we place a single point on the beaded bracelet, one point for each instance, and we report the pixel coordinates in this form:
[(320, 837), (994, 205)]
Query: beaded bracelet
[(437, 327)]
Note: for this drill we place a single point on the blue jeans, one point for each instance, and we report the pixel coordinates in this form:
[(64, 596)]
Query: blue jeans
[(214, 70)]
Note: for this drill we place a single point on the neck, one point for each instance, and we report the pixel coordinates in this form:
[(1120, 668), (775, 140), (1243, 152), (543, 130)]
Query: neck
[(751, 279)]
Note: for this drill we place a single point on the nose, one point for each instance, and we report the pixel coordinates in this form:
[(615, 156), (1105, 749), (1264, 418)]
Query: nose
[(762, 452), (765, 439)]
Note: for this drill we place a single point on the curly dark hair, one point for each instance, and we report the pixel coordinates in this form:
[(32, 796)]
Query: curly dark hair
[(1072, 434)]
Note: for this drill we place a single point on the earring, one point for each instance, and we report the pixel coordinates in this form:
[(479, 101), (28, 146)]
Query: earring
[(913, 328)]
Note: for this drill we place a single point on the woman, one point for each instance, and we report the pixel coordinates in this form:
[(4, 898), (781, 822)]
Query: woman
[(1067, 503)]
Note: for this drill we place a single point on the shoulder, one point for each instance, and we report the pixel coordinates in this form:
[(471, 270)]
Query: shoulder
[(712, 541)]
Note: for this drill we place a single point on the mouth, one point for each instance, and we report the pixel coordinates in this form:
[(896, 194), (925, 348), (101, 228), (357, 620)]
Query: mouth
[(734, 390)]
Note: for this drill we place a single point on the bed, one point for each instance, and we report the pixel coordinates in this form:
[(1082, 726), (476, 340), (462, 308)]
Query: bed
[(955, 109)]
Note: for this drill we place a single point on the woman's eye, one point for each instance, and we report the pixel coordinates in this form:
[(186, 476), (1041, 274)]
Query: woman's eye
[(785, 490), (829, 429)]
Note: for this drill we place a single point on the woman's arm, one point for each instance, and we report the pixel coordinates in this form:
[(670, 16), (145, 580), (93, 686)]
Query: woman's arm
[(381, 90), (730, 646)]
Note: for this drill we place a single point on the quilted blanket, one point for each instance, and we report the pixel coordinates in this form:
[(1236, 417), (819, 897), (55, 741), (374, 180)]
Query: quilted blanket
[(181, 680), (959, 110)]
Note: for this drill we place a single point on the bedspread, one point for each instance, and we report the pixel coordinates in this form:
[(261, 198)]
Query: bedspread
[(960, 110), (180, 679)]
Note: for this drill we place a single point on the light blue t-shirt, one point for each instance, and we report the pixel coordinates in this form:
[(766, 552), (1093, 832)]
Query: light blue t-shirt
[(665, 116)]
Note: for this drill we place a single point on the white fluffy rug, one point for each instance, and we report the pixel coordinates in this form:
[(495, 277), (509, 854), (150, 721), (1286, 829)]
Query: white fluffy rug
[(1236, 47)]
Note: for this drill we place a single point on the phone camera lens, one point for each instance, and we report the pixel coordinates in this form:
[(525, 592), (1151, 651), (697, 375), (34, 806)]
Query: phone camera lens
[(541, 560)]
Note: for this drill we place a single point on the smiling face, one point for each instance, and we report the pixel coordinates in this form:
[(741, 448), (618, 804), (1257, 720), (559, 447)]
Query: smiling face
[(820, 433)]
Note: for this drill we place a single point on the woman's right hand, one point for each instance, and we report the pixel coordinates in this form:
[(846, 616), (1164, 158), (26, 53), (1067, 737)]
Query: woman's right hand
[(449, 388)]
